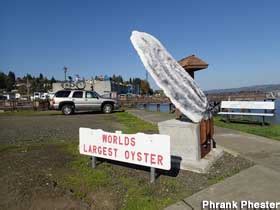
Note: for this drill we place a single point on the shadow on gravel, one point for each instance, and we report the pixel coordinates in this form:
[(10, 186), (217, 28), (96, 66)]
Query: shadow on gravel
[(173, 172), (95, 112)]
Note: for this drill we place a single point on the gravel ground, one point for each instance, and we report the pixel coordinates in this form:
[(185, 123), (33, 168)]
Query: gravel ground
[(31, 178), (32, 175), (30, 129)]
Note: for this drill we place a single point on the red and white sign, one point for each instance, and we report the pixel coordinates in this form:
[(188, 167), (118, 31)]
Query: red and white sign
[(141, 149)]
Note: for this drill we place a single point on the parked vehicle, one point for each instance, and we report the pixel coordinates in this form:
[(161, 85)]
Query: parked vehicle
[(36, 95), (3, 97), (69, 101), (51, 95)]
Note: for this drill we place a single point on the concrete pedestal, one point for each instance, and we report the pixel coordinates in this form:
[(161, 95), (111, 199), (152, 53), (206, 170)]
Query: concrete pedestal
[(185, 146)]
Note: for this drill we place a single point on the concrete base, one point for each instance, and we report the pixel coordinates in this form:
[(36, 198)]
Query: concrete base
[(203, 165), (185, 146), (184, 137)]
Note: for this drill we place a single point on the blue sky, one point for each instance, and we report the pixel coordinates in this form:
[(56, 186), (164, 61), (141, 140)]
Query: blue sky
[(240, 39)]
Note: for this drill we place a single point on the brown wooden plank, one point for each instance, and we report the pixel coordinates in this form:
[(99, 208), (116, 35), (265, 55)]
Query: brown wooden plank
[(203, 132)]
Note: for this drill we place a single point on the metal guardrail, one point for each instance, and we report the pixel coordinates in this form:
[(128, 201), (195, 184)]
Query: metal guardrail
[(13, 105)]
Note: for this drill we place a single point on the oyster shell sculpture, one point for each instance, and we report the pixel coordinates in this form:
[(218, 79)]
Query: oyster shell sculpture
[(170, 76)]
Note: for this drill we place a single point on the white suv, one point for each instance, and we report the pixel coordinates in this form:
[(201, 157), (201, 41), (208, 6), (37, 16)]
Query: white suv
[(69, 101)]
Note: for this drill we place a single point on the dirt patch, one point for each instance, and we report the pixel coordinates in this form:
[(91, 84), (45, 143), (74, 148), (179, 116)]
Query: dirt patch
[(30, 129), (28, 177)]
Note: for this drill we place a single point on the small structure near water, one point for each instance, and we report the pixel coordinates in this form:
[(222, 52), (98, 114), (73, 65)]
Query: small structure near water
[(192, 64)]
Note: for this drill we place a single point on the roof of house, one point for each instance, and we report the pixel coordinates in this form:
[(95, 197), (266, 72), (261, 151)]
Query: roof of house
[(192, 63)]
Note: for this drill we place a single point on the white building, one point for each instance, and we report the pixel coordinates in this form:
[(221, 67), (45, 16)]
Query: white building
[(101, 87)]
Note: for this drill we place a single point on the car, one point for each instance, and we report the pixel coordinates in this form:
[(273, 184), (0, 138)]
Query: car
[(3, 97), (70, 101)]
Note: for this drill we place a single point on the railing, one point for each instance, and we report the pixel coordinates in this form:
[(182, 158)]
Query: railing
[(214, 100), (13, 105), (238, 96), (135, 100), (145, 101)]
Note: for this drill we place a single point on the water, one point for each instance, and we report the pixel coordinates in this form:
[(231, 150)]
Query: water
[(153, 107), (272, 120)]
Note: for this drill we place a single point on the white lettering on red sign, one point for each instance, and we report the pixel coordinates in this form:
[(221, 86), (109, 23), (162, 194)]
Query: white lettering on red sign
[(141, 149)]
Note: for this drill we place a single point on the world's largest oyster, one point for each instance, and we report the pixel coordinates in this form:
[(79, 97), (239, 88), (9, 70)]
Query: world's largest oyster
[(170, 76)]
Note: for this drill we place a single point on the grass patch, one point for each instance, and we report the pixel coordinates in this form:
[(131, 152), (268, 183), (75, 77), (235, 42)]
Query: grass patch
[(112, 185), (30, 113), (269, 131), (126, 187), (132, 124), (8, 147), (83, 178)]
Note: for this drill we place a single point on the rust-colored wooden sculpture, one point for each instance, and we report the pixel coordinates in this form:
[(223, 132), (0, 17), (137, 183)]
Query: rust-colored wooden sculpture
[(206, 136)]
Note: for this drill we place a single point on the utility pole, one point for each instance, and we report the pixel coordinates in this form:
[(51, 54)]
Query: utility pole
[(65, 71), (147, 76), (28, 87)]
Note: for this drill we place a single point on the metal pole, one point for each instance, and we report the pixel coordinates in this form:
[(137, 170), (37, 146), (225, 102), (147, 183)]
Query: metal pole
[(152, 175), (93, 162), (65, 71)]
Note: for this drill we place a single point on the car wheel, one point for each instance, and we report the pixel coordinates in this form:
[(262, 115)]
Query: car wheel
[(107, 108), (67, 109)]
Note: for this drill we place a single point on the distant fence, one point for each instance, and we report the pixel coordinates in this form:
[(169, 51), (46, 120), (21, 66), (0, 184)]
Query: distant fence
[(218, 97), (14, 105), (214, 100), (145, 101), (238, 96), (129, 101)]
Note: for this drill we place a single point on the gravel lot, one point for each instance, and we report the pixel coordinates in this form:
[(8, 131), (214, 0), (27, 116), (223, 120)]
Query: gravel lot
[(30, 129), (49, 176)]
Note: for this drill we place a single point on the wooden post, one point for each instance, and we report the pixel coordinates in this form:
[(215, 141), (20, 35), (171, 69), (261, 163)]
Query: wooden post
[(158, 107), (170, 108), (93, 162), (152, 175), (145, 106)]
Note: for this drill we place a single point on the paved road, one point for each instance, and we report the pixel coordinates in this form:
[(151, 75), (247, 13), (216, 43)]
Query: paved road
[(261, 150), (152, 117), (258, 183)]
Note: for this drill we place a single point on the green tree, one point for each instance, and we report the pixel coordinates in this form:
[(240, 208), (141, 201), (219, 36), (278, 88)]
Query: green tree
[(53, 80), (3, 79), (41, 77), (10, 81), (145, 87)]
